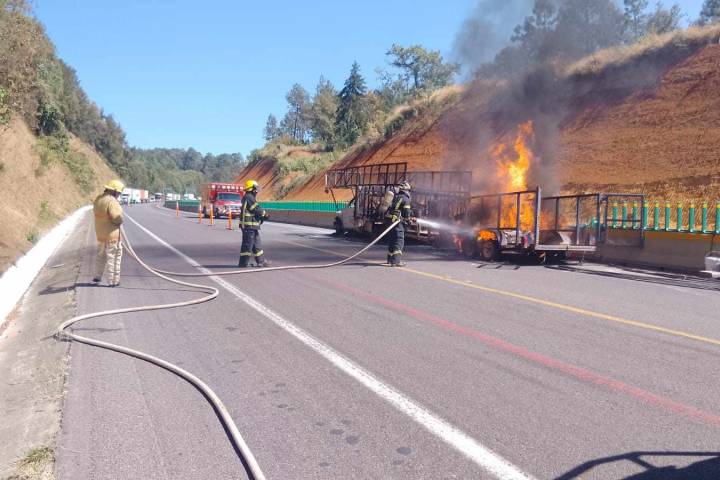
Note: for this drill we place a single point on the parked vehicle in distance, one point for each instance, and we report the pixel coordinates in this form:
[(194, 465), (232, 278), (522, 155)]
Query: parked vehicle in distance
[(133, 195), (221, 198)]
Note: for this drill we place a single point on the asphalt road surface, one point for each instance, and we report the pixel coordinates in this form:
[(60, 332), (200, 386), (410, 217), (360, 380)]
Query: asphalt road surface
[(446, 369)]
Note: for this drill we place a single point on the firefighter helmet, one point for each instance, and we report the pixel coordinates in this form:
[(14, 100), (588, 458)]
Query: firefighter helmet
[(404, 186), (115, 186), (250, 185)]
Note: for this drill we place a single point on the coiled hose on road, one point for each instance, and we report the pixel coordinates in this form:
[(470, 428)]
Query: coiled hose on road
[(238, 442)]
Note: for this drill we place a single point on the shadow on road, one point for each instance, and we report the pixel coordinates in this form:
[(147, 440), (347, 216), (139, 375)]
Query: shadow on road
[(702, 466), (662, 278)]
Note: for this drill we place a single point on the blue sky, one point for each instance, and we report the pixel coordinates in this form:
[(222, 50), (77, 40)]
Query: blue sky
[(180, 73)]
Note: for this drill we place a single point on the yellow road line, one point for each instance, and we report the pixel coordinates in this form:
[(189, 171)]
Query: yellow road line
[(540, 301)]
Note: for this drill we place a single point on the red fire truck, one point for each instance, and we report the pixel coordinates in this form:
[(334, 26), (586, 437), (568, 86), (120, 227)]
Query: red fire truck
[(221, 198)]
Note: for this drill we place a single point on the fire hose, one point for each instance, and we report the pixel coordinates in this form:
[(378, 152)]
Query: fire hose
[(236, 438)]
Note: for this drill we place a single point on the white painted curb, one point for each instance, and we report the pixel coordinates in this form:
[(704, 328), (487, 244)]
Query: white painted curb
[(18, 278)]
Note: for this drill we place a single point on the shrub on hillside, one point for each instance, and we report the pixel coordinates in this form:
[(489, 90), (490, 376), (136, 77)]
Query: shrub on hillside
[(55, 149)]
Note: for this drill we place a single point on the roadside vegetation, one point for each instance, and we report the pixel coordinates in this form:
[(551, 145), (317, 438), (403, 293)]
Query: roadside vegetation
[(36, 465), (42, 89)]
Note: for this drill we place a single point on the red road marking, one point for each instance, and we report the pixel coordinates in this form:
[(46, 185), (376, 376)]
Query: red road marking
[(580, 373)]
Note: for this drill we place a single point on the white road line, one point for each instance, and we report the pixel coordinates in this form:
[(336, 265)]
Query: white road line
[(468, 446)]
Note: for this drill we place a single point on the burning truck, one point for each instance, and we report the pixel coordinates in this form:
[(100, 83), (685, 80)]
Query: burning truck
[(437, 196), (518, 221)]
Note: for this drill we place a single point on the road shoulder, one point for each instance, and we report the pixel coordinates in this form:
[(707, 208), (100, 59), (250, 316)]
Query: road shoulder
[(34, 366)]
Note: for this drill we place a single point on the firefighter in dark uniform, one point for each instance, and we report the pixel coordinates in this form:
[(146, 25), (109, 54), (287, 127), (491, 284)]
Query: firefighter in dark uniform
[(399, 210), (251, 217)]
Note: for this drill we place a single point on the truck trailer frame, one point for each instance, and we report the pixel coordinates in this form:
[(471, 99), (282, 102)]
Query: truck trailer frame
[(437, 195), (557, 224)]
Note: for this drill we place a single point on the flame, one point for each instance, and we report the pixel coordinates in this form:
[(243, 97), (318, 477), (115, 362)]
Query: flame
[(486, 235), (513, 166)]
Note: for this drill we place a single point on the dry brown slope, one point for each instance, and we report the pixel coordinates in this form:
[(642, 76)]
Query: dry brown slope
[(665, 142), (23, 190)]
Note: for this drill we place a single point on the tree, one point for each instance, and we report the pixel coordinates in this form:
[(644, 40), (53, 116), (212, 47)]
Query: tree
[(534, 34), (664, 20), (710, 12), (191, 160), (295, 122), (422, 70), (585, 26), (635, 18), (324, 112), (271, 130), (352, 113)]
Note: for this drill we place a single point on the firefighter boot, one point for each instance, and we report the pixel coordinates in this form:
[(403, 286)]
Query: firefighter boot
[(261, 262), (244, 260)]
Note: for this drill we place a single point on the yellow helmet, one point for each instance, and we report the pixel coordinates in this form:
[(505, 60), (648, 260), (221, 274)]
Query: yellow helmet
[(250, 184), (115, 185)]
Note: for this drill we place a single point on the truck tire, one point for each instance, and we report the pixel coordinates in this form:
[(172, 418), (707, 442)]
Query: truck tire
[(338, 225), (469, 247), (489, 250), (205, 213)]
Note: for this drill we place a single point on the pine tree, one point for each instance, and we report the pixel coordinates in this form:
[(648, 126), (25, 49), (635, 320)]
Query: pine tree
[(295, 122), (271, 130), (324, 112), (352, 114), (710, 12)]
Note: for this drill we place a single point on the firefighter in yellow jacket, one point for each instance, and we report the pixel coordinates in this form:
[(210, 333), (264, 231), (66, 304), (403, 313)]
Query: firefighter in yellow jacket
[(108, 218)]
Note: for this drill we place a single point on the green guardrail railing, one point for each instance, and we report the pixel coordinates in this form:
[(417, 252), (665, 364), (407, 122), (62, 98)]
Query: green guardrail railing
[(182, 203), (665, 217), (304, 206)]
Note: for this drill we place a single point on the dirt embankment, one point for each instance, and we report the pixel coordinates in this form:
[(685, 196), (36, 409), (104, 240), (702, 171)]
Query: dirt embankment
[(664, 141), (624, 120), (33, 197)]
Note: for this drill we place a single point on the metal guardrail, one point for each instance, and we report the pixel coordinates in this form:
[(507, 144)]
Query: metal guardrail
[(668, 218)]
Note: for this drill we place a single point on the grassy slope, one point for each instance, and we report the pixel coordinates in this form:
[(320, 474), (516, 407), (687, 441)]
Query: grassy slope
[(32, 202)]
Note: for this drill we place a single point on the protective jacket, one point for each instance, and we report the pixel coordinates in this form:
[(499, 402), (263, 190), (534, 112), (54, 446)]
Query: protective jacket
[(108, 218), (252, 214), (400, 207)]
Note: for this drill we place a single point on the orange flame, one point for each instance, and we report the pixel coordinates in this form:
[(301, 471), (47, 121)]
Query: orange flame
[(513, 166)]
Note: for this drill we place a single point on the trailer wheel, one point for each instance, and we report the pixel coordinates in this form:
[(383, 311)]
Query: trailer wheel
[(469, 247), (338, 225), (489, 250)]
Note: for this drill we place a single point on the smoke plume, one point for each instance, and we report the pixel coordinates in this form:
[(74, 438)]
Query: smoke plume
[(487, 30)]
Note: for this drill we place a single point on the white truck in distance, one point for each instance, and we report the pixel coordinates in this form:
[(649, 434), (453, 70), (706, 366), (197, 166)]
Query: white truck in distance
[(133, 195)]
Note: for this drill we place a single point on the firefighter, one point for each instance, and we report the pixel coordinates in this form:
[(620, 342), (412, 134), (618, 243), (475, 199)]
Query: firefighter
[(251, 217), (399, 210), (108, 218)]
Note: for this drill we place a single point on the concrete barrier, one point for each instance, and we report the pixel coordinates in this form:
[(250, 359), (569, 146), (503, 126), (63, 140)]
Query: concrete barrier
[(673, 250), (311, 219)]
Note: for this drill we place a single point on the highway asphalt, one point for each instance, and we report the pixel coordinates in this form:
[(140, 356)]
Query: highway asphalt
[(448, 368)]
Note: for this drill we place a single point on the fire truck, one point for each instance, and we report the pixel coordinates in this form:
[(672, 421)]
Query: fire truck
[(221, 198)]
